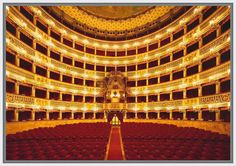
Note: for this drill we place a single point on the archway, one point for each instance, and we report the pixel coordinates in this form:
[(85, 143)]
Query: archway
[(111, 114)]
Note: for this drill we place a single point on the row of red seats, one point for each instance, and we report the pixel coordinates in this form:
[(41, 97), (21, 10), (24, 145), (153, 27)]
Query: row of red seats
[(68, 142), (151, 141)]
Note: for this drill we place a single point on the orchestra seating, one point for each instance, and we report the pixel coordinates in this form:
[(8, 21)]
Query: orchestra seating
[(149, 141), (83, 141)]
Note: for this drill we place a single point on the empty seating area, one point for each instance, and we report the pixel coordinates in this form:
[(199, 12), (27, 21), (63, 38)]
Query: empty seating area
[(83, 141), (148, 141)]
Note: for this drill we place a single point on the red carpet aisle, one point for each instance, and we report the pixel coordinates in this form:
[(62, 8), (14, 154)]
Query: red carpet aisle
[(114, 148)]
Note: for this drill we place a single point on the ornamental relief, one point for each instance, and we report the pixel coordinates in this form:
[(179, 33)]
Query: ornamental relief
[(215, 99), (41, 102), (191, 79), (19, 99), (40, 80), (190, 102), (190, 57)]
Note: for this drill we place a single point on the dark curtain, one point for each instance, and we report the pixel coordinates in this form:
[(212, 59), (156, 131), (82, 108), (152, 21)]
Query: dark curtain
[(112, 113)]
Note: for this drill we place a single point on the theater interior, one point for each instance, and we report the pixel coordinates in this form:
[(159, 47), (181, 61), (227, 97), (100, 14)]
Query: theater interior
[(125, 83)]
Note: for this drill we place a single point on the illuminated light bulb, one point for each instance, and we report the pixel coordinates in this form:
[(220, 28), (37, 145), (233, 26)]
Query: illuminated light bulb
[(228, 104), (105, 62), (61, 108), (228, 71), (211, 77), (136, 44), (23, 24), (75, 91), (74, 37), (146, 91), (182, 21), (157, 108), (85, 92), (73, 108), (228, 39), (196, 10), (85, 41), (146, 74), (50, 44), (7, 73), (95, 44), (147, 41), (125, 61), (7, 7), (210, 106), (105, 46), (95, 93), (115, 62), (95, 109), (212, 22), (126, 45), (156, 91), (7, 40), (85, 58), (63, 89), (146, 109), (157, 36), (84, 108), (50, 108), (135, 92), (51, 23), (85, 75), (51, 65), (169, 30), (115, 46), (157, 72), (63, 70)]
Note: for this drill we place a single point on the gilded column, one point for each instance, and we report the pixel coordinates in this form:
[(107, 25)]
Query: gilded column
[(33, 91), (217, 87), (200, 67), (33, 115), (17, 89), (17, 60), (218, 59), (200, 115), (171, 95), (60, 96), (159, 115), (147, 115), (16, 115), (184, 93), (217, 112), (184, 115), (136, 115), (185, 72), (47, 115), (200, 91), (83, 115), (94, 115), (72, 115), (60, 115), (48, 94), (18, 32), (125, 116), (170, 115)]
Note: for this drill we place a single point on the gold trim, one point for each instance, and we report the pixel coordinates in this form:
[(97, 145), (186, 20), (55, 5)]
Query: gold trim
[(108, 144), (122, 146)]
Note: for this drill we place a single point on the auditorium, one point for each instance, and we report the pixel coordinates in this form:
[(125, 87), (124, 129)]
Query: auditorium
[(118, 83)]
